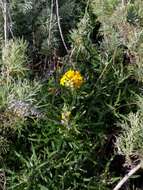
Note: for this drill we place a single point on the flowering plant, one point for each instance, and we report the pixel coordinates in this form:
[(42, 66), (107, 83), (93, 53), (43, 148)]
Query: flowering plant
[(72, 79)]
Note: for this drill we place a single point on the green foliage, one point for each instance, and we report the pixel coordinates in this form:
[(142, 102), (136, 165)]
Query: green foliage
[(129, 143), (53, 137), (14, 59), (37, 22)]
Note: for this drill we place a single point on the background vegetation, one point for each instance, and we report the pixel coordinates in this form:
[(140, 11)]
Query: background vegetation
[(52, 137)]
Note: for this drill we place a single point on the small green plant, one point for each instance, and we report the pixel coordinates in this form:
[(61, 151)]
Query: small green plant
[(129, 143), (14, 59)]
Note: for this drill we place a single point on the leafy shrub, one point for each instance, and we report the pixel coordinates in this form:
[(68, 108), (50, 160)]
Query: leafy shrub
[(58, 128)]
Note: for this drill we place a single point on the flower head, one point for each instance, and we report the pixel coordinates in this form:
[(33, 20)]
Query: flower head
[(66, 115), (72, 79)]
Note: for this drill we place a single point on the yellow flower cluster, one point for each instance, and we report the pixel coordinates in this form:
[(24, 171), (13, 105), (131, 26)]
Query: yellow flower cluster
[(72, 79), (65, 117)]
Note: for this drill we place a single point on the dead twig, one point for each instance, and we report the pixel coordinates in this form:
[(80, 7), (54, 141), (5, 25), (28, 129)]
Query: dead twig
[(127, 176), (59, 26), (2, 181), (50, 25)]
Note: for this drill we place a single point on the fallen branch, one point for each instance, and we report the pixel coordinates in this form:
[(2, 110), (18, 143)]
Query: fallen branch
[(127, 176)]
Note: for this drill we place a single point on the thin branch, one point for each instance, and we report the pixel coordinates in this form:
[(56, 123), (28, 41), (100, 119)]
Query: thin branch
[(4, 4), (59, 25), (1, 4), (2, 181), (5, 15), (50, 25), (4, 185), (126, 177), (10, 23)]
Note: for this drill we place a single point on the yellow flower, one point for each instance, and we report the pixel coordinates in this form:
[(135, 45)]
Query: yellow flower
[(72, 79), (65, 116)]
